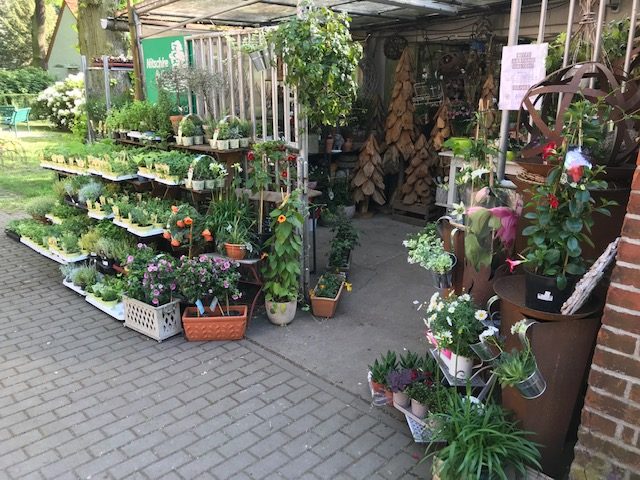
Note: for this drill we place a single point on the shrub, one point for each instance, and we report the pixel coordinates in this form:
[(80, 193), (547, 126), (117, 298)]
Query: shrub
[(24, 80), (40, 206), (64, 101)]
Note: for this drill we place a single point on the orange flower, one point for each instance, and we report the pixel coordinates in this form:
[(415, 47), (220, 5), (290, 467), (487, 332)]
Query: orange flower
[(175, 243), (188, 221), (208, 238), (180, 224), (166, 235), (206, 233), (282, 218), (174, 209)]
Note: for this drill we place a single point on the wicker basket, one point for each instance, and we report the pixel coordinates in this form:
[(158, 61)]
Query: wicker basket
[(215, 326), (158, 323)]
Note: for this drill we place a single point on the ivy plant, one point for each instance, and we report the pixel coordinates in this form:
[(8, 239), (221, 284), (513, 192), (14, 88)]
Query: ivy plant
[(322, 61)]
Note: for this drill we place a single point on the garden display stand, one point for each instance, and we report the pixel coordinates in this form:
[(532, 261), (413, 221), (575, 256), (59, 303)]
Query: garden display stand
[(562, 345), (116, 311), (420, 430)]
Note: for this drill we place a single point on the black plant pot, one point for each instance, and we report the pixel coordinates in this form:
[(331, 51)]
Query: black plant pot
[(542, 293), (12, 235)]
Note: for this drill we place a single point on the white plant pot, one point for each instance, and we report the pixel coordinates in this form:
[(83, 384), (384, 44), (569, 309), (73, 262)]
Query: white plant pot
[(198, 140), (210, 184), (281, 313), (460, 367), (234, 143), (244, 142), (187, 141), (401, 398), (213, 144), (198, 184), (418, 409), (178, 139), (223, 144)]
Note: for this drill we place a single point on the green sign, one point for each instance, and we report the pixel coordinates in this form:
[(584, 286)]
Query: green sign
[(160, 54)]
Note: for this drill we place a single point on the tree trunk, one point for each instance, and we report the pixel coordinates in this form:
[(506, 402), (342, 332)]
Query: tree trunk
[(95, 41), (38, 34)]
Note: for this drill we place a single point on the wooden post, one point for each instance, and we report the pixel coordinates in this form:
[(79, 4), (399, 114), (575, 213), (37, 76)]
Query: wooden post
[(135, 50)]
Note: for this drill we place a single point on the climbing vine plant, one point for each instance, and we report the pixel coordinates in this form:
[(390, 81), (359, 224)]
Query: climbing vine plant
[(322, 61)]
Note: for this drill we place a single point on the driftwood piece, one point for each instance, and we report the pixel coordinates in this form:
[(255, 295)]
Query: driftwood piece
[(588, 282)]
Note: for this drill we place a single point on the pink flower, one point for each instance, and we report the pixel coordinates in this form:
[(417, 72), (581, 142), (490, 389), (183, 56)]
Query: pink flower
[(482, 194), (172, 287), (130, 259), (509, 223), (155, 301), (225, 284), (156, 293), (549, 150), (513, 264)]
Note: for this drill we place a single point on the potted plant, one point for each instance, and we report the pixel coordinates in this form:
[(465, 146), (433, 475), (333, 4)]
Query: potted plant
[(245, 133), (281, 271), (561, 221), (345, 239), (198, 138), (217, 175), (224, 134), (200, 169), (481, 442), (454, 324), (322, 57), (188, 130), (236, 237), (149, 304), (427, 250), (420, 394), (378, 377), (400, 382), (326, 294), (186, 228), (257, 48), (205, 283), (518, 368), (39, 207)]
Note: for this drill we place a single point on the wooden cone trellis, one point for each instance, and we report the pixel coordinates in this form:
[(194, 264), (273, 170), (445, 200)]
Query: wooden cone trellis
[(442, 129), (485, 105), (378, 119), (419, 184), (399, 126), (368, 181)]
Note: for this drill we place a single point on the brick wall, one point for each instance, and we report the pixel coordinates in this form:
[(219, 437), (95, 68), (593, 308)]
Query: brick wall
[(609, 436)]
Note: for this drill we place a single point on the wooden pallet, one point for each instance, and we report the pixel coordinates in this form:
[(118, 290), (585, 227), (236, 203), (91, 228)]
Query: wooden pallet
[(417, 214)]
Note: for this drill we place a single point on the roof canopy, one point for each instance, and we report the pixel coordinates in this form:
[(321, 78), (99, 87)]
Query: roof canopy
[(256, 13)]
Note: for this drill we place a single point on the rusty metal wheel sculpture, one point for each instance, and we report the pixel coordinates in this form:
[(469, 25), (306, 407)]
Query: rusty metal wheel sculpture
[(572, 82)]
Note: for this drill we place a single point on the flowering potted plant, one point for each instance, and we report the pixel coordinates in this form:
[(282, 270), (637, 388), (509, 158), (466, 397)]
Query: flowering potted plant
[(427, 250), (202, 279), (561, 221), (282, 268), (186, 228), (454, 324), (326, 294), (217, 175), (149, 304)]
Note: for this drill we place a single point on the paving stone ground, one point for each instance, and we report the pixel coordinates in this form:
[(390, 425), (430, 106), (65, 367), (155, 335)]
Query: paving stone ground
[(84, 397)]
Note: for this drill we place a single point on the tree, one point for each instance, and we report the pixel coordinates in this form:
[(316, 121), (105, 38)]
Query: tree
[(38, 34)]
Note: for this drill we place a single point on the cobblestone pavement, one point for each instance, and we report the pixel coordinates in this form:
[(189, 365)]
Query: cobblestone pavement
[(84, 397)]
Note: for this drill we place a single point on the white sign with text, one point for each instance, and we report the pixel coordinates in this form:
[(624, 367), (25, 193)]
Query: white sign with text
[(522, 67)]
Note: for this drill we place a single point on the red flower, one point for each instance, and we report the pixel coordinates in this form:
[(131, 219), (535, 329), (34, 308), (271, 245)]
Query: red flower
[(284, 174), (291, 158), (251, 156), (513, 264), (575, 172), (549, 150), (553, 200)]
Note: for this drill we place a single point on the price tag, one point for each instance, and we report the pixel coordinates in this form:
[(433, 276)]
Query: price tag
[(214, 303)]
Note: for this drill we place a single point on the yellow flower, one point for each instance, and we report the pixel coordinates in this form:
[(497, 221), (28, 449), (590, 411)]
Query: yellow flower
[(348, 286), (281, 218), (264, 255)]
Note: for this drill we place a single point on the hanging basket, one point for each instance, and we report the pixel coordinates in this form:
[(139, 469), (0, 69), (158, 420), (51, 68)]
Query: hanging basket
[(394, 46), (533, 386)]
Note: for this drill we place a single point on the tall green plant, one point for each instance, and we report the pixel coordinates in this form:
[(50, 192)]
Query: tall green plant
[(282, 269), (322, 60)]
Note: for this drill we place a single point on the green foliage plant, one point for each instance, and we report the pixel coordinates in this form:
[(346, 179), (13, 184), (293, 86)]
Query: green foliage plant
[(281, 270), (38, 207), (328, 285), (322, 61), (482, 441), (345, 239), (427, 250), (382, 366)]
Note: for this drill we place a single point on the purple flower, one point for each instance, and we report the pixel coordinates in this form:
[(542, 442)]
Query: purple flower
[(235, 297), (226, 266), (156, 293), (155, 301), (141, 245), (130, 259), (203, 258), (172, 287), (225, 284)]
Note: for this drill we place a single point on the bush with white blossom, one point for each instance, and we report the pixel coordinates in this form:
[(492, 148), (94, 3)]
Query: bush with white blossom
[(64, 101)]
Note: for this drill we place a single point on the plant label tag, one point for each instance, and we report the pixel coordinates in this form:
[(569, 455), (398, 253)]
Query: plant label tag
[(200, 306), (189, 176), (216, 132), (545, 297), (214, 303)]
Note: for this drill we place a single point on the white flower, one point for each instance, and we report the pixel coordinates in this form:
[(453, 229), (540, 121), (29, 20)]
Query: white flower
[(439, 306), (481, 315), (451, 309), (488, 332), (458, 210), (449, 321), (465, 297), (519, 327)]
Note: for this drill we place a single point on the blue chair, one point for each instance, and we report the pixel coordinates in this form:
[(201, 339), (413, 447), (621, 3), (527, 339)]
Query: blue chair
[(11, 116)]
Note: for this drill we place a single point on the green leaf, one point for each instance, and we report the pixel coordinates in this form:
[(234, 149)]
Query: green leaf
[(561, 281), (573, 225), (530, 230)]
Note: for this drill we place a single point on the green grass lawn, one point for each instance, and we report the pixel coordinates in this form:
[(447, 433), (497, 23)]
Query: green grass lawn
[(21, 177)]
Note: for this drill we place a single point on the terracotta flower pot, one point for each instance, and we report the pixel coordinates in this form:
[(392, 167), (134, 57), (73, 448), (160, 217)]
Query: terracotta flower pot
[(326, 307), (235, 251), (225, 323)]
